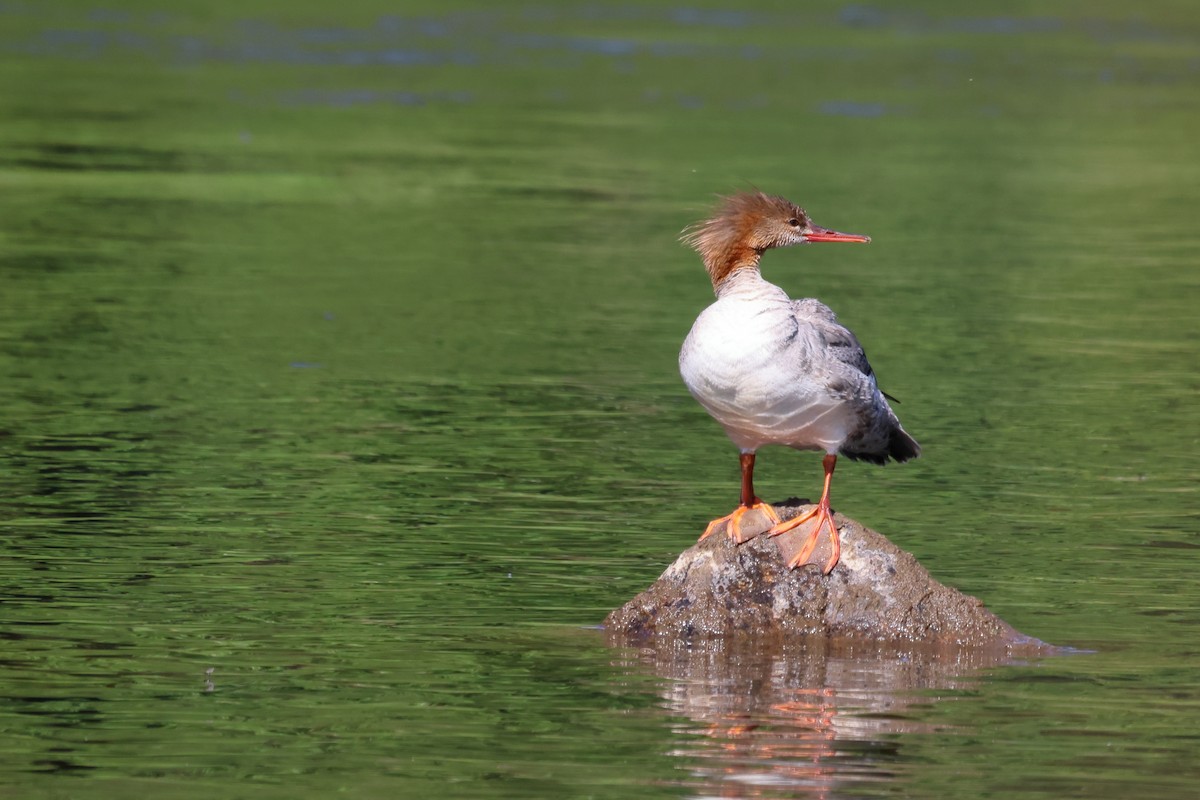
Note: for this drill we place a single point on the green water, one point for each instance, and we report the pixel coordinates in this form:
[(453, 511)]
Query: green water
[(338, 394)]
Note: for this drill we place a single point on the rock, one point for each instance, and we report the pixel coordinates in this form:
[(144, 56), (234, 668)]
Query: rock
[(877, 592)]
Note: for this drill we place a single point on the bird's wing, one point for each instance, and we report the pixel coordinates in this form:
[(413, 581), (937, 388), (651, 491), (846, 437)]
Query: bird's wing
[(839, 344), (837, 361)]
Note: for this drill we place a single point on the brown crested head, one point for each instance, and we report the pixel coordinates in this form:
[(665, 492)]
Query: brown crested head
[(745, 225)]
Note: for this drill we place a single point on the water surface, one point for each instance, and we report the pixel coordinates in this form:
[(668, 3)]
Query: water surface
[(338, 392)]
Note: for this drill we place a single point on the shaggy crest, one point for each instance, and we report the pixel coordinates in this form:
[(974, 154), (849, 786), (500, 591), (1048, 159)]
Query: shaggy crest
[(743, 226)]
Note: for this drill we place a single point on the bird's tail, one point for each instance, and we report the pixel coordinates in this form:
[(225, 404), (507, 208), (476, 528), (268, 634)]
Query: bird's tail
[(901, 446)]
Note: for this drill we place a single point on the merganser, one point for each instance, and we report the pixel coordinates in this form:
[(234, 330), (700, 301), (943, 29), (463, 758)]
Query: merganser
[(773, 370)]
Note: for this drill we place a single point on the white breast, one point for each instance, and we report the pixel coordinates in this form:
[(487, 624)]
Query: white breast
[(746, 360)]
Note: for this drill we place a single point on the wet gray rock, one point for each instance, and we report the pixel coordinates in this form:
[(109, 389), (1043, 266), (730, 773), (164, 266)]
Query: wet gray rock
[(877, 592)]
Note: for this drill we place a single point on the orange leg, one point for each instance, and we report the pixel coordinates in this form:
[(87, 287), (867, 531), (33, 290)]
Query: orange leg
[(824, 518), (749, 501)]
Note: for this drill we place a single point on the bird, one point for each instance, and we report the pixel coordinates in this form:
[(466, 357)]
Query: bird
[(777, 371)]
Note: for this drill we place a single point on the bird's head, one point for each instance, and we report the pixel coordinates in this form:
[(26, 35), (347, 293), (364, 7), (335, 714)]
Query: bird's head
[(747, 224)]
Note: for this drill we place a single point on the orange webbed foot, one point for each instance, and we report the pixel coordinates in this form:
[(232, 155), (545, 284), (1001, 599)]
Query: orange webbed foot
[(733, 520), (824, 517)]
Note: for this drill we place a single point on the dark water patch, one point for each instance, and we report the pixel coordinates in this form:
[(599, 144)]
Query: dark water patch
[(866, 16), (432, 27), (59, 766), (626, 48), (88, 44), (286, 48), (453, 39), (93, 443), (60, 156), (578, 194), (348, 98), (27, 265), (580, 44), (1101, 30), (395, 57), (849, 108), (139, 408), (477, 38), (716, 18), (66, 44), (85, 157), (256, 42), (1132, 29), (78, 114), (1008, 26), (1173, 544)]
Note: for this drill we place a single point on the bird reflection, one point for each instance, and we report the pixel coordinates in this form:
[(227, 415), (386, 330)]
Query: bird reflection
[(808, 719)]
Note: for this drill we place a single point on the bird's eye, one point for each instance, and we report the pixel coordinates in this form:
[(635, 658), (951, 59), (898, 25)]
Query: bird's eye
[(795, 223)]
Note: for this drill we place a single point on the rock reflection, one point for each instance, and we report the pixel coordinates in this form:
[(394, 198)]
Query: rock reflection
[(813, 718)]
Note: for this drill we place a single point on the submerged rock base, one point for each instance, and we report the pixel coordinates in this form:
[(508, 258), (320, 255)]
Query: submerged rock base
[(876, 592)]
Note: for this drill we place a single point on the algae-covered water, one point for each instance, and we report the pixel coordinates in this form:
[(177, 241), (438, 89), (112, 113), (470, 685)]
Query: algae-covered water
[(338, 393)]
